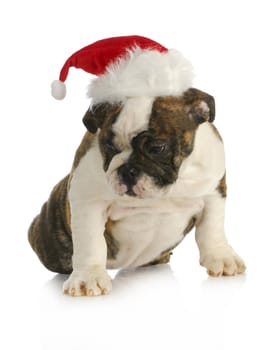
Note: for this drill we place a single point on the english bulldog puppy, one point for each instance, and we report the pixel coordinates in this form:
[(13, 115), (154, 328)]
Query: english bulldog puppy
[(146, 172)]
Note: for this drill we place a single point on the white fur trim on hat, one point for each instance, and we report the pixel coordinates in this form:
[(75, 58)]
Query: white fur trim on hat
[(143, 73)]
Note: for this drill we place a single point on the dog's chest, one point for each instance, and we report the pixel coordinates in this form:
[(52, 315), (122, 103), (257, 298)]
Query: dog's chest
[(142, 234)]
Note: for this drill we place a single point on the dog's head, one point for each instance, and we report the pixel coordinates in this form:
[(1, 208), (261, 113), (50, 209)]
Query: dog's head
[(144, 141)]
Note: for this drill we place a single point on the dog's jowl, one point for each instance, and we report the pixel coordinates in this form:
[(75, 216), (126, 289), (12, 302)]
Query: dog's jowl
[(148, 170)]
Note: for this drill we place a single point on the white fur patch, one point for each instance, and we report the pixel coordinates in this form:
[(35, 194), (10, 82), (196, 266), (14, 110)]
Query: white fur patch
[(146, 188), (133, 119), (215, 253), (112, 175), (143, 73), (92, 281), (147, 227)]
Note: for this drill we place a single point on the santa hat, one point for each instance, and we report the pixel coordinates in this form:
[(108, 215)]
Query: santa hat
[(128, 66)]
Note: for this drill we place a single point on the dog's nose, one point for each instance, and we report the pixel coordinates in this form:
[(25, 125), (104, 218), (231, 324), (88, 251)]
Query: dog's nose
[(132, 172), (128, 175)]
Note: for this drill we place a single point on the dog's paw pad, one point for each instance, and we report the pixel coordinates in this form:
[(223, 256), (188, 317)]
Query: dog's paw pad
[(222, 261), (92, 282)]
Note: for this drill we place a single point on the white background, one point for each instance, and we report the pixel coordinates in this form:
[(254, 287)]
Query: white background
[(171, 307)]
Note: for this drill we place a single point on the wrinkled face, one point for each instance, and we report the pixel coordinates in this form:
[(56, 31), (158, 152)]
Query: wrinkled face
[(144, 141)]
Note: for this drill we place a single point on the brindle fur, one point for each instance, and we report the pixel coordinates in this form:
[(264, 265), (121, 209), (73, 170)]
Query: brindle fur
[(173, 121), (222, 186), (96, 117), (50, 234)]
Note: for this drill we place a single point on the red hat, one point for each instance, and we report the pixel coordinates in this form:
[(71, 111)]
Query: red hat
[(128, 66)]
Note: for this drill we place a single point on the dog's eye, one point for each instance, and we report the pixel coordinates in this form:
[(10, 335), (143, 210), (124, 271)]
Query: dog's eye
[(157, 149)]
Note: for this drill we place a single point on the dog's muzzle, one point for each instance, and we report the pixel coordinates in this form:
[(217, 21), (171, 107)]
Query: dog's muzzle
[(128, 176)]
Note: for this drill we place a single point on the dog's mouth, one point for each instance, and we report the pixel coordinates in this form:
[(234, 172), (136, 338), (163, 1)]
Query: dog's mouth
[(141, 186), (136, 190), (131, 193)]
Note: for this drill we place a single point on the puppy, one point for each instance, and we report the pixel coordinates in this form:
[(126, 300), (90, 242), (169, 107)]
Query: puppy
[(146, 172)]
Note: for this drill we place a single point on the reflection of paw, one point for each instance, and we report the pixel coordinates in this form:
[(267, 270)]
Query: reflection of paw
[(94, 281), (222, 261)]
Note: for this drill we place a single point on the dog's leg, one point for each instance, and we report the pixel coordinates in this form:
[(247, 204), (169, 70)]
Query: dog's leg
[(89, 276), (215, 253)]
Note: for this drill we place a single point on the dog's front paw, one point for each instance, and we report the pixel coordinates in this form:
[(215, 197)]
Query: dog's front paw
[(90, 282), (221, 261)]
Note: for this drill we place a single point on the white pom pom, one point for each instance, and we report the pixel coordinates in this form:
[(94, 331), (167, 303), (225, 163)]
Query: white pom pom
[(58, 89)]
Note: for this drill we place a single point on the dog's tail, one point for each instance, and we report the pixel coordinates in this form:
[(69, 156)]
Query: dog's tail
[(50, 235)]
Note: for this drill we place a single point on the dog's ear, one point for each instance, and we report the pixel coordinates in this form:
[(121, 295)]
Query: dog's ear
[(90, 122), (201, 106), (96, 116)]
